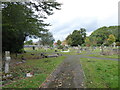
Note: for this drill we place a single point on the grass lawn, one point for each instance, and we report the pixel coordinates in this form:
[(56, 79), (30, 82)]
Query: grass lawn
[(72, 51), (29, 49), (100, 73), (104, 56), (41, 68)]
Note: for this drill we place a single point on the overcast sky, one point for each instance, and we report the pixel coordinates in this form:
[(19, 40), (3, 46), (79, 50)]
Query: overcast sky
[(88, 14)]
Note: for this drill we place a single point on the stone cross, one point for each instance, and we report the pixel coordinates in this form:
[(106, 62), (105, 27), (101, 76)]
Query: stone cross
[(7, 61)]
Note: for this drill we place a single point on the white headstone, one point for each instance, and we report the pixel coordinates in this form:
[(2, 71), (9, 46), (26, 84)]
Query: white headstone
[(114, 44), (29, 75), (7, 61)]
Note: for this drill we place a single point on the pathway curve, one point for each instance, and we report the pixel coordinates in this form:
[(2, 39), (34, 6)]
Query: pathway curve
[(68, 75)]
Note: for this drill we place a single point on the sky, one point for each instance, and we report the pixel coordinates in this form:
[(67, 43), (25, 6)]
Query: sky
[(76, 14)]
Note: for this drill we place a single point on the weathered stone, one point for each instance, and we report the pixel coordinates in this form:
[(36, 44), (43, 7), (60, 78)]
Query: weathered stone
[(7, 61)]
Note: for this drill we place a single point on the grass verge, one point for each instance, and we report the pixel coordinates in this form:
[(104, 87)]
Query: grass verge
[(100, 73), (41, 68)]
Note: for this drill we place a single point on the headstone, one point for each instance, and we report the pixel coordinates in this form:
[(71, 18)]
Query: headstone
[(114, 44), (102, 48), (79, 49), (66, 51), (33, 47), (45, 49), (7, 61), (55, 50)]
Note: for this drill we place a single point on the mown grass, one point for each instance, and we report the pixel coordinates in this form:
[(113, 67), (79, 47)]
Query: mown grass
[(41, 68), (72, 51), (100, 73), (48, 50), (104, 56)]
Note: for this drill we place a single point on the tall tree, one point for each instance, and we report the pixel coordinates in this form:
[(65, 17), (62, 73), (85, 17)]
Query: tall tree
[(69, 40), (77, 37), (22, 19), (100, 36), (47, 39)]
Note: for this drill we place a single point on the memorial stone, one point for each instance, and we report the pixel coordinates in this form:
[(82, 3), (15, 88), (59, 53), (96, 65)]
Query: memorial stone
[(7, 61)]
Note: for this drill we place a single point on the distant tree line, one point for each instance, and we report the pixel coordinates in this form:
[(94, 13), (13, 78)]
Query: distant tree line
[(104, 35)]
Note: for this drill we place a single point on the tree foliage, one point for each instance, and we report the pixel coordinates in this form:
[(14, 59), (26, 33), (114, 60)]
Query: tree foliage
[(87, 41), (23, 19), (101, 35), (30, 42), (111, 39), (47, 39), (59, 42), (77, 37)]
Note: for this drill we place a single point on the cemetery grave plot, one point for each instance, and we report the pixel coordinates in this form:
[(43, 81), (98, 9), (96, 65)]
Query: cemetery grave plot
[(73, 51), (48, 50), (50, 55), (106, 53), (40, 68), (19, 60), (22, 58), (40, 73)]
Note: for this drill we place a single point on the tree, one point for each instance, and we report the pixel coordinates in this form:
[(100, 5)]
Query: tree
[(100, 36), (93, 41), (69, 40), (111, 39), (77, 37), (47, 39), (87, 42), (19, 20), (59, 42), (64, 42), (30, 42)]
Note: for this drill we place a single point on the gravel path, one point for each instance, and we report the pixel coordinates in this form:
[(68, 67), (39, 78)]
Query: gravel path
[(68, 75)]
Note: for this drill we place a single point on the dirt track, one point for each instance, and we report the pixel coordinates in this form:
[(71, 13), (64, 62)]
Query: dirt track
[(68, 75)]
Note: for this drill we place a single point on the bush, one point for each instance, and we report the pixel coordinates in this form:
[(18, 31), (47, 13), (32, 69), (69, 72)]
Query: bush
[(60, 47), (21, 51), (117, 43)]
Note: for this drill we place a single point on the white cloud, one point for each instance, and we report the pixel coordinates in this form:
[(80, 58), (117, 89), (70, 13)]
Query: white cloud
[(75, 14), (89, 33)]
